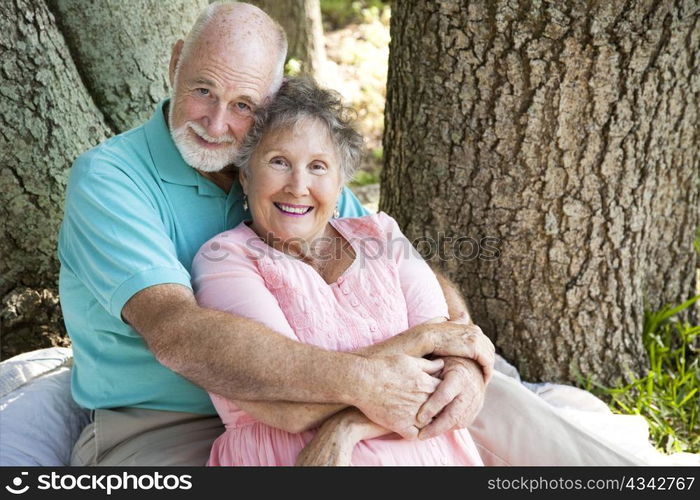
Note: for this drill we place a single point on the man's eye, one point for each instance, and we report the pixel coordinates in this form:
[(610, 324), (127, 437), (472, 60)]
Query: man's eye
[(242, 106), (202, 92)]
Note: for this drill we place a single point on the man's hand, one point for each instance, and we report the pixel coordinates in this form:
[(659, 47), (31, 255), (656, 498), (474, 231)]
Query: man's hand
[(398, 386), (465, 340), (457, 400)]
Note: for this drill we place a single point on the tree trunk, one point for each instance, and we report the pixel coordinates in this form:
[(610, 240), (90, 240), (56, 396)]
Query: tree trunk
[(122, 50), (301, 20), (48, 116), (560, 142)]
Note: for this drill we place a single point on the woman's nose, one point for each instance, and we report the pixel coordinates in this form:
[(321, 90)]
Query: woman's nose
[(297, 184)]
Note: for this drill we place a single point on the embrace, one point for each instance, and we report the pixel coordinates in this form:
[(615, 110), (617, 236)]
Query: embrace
[(230, 302)]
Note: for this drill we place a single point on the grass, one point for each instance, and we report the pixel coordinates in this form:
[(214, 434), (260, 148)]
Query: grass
[(669, 395)]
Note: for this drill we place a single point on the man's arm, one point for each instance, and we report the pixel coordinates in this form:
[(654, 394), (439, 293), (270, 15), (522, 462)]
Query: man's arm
[(456, 305), (241, 359), (296, 417)]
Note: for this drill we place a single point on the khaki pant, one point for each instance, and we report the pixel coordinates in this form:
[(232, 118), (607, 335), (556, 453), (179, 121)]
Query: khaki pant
[(136, 436), (515, 427)]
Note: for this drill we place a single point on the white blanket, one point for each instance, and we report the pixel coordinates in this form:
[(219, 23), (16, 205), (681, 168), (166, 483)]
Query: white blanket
[(39, 421)]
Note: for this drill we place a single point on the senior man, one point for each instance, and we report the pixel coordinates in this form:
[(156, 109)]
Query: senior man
[(138, 208)]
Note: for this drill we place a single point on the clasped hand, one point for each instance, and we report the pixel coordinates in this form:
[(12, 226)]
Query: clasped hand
[(420, 398)]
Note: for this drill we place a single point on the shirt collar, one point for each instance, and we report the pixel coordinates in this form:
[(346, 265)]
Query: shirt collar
[(167, 159)]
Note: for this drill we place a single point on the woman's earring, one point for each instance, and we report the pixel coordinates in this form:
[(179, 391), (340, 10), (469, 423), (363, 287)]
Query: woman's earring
[(336, 212), (245, 202)]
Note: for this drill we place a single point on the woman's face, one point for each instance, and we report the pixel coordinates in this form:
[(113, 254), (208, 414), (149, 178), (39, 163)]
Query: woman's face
[(293, 183)]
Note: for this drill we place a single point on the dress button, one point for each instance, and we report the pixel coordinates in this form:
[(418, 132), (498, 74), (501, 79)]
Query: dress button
[(355, 302), (373, 328), (340, 280), (345, 290)]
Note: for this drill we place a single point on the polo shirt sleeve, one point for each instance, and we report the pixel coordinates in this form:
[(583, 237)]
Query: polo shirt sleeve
[(113, 238), (349, 205)]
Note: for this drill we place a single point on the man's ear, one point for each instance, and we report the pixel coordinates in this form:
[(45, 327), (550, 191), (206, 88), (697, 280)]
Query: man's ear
[(174, 59)]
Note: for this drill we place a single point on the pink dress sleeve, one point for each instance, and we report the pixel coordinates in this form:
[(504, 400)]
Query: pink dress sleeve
[(225, 277), (420, 287)]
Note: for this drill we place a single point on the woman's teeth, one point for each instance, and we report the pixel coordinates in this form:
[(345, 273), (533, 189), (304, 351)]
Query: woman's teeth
[(292, 210)]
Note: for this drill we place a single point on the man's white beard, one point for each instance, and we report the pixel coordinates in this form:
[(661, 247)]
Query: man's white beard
[(201, 158)]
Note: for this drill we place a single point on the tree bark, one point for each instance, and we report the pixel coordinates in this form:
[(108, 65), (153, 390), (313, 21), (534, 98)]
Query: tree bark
[(301, 20), (49, 116), (122, 49), (561, 143)]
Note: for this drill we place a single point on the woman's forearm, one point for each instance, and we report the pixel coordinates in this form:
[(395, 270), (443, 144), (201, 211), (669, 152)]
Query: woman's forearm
[(359, 426), (335, 440), (290, 416)]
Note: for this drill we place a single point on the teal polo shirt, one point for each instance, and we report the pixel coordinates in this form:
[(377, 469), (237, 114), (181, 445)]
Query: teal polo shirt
[(135, 216)]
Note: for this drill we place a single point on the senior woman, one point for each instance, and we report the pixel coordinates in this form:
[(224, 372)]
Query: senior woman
[(340, 284)]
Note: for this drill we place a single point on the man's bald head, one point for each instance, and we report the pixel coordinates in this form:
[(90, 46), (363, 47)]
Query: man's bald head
[(231, 63), (237, 26)]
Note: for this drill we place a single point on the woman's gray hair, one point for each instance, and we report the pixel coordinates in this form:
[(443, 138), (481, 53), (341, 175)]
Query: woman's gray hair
[(300, 98)]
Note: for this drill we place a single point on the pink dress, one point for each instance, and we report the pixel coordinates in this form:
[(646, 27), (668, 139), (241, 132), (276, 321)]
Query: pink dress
[(386, 290)]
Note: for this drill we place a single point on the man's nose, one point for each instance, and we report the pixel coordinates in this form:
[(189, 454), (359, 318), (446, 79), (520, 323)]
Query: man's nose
[(217, 124), (298, 184)]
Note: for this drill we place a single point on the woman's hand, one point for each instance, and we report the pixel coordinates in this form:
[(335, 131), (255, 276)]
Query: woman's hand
[(335, 440)]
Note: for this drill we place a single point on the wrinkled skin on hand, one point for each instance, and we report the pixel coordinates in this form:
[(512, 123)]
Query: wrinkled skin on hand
[(329, 447), (459, 398), (404, 384), (464, 340), (459, 391), (456, 402), (335, 440)]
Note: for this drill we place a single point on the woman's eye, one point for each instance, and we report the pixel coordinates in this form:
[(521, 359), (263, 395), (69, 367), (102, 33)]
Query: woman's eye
[(279, 163), (319, 168)]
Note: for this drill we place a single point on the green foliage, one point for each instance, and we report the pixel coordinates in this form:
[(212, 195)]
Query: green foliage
[(292, 67), (365, 177), (339, 13), (668, 396)]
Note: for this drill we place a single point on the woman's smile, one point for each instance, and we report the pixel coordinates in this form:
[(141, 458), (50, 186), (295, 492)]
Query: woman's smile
[(293, 210), (293, 182)]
